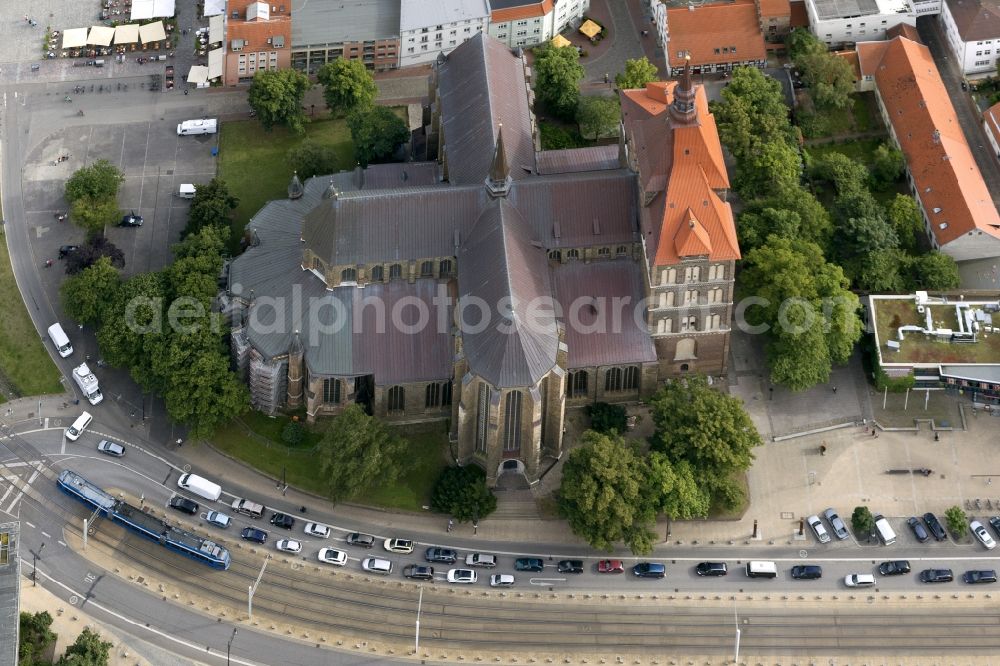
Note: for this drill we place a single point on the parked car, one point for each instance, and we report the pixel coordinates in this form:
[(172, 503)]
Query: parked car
[(440, 555), (610, 567), (502, 580), (360, 540), (254, 534), (317, 530), (332, 556), (918, 529), (934, 525), (977, 577), (530, 564), (282, 520), (377, 565), (462, 576), (936, 576), (67, 249), (649, 570), (131, 220), (109, 448), (995, 524), (711, 569), (839, 528), (183, 504), (288, 545), (859, 580), (218, 519), (807, 572), (817, 527), (401, 546), (894, 568), (984, 537), (570, 566), (480, 560), (418, 572)]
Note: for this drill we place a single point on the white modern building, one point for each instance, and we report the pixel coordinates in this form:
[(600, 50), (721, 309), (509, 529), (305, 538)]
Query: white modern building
[(531, 22), (840, 22), (972, 28), (428, 28)]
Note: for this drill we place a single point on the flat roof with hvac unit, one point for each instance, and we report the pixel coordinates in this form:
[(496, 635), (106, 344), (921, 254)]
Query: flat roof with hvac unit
[(834, 9)]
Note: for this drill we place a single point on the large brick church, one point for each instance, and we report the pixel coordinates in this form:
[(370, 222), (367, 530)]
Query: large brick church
[(494, 284)]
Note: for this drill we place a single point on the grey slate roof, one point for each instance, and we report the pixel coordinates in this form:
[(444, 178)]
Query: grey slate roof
[(500, 267), (481, 85), (574, 160), (321, 22)]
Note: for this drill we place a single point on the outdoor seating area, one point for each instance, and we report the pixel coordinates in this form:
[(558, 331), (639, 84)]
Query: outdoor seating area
[(119, 40)]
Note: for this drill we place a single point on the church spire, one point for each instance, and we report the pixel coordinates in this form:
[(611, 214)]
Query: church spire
[(682, 109), (498, 180)]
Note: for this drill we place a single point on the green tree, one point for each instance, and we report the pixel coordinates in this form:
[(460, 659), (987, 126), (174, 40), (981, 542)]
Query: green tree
[(132, 327), (212, 206), (293, 433), (95, 248), (801, 42), (347, 86), (461, 492), (276, 96), (311, 158), (808, 312), (358, 452), (705, 428), (879, 270), (862, 520), (35, 638), (86, 294), (905, 218), (791, 213), (638, 72), (197, 265), (752, 113), (674, 489), (598, 116), (888, 165), (933, 271), (847, 175), (773, 167), (558, 73), (93, 195), (607, 418), (88, 650), (829, 77), (957, 521), (376, 134), (604, 494)]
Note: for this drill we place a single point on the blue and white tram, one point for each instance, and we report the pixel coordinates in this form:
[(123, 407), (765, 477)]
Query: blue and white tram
[(134, 519)]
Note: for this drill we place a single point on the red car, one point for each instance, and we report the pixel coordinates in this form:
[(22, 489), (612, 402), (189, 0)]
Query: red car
[(610, 566)]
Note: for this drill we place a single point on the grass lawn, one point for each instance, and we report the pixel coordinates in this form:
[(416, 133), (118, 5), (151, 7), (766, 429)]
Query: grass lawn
[(262, 449), (24, 362), (862, 150), (255, 166)]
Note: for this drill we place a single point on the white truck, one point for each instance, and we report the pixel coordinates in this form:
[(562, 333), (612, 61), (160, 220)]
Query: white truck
[(203, 126), (87, 382)]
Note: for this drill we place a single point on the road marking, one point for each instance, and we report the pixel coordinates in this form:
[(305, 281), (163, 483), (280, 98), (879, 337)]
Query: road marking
[(62, 543), (29, 524), (20, 494), (3, 499), (46, 535), (545, 581)]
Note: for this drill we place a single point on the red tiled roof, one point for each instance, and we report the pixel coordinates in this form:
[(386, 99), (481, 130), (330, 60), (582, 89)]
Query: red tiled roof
[(852, 59), (525, 11), (256, 33), (992, 118), (869, 56), (691, 240), (948, 181), (775, 8), (903, 30), (800, 17), (703, 30)]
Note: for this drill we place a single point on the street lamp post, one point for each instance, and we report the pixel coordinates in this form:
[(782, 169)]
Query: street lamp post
[(34, 564), (229, 646)]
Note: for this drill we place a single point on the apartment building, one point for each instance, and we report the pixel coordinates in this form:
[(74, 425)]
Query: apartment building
[(258, 37), (429, 28), (531, 22)]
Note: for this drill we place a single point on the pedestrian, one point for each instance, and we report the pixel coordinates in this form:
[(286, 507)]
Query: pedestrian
[(874, 432), (937, 438), (451, 523), (606, 77), (834, 389), (822, 450), (48, 263)]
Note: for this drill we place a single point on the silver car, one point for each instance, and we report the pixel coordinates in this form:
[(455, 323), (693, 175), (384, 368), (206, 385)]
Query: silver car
[(110, 448), (817, 527), (839, 528)]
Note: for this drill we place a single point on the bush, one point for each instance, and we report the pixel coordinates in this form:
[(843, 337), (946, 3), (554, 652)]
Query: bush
[(607, 419), (862, 521), (555, 137), (293, 433), (461, 492), (958, 522)]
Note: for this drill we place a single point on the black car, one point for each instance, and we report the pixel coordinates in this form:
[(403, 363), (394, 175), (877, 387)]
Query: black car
[(896, 568), (934, 525), (418, 572), (440, 555), (254, 534), (282, 520), (184, 505), (649, 570), (361, 540), (711, 569), (975, 577), (570, 566), (918, 529), (131, 220), (995, 524), (531, 564), (67, 249), (936, 576), (807, 572)]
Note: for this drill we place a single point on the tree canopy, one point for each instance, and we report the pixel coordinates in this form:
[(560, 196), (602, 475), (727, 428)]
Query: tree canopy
[(376, 134), (598, 116), (752, 113), (212, 206), (91, 251), (89, 649), (904, 216), (347, 86), (461, 493), (829, 77), (312, 158), (35, 638), (638, 72), (934, 271), (558, 73), (607, 418), (957, 521), (92, 192), (359, 451), (85, 296), (276, 96)]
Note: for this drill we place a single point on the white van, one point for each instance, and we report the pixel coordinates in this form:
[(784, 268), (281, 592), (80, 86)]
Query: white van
[(758, 569), (58, 337), (884, 531), (74, 431), (203, 126), (200, 486), (186, 191)]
